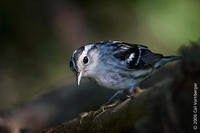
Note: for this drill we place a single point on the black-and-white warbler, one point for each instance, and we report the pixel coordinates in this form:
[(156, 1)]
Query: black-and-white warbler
[(116, 65)]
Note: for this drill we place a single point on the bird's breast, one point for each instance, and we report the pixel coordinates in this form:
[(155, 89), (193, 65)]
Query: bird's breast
[(114, 79)]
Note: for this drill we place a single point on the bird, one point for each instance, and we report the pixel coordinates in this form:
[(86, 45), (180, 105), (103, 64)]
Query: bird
[(116, 65)]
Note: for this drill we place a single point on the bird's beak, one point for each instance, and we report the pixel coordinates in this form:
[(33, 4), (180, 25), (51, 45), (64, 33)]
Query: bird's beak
[(79, 76)]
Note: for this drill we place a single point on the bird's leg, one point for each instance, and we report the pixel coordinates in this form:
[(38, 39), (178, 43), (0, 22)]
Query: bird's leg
[(131, 93), (116, 93), (108, 104), (132, 89)]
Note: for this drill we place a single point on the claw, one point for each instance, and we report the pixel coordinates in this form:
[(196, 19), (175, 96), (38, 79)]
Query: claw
[(104, 108), (136, 91)]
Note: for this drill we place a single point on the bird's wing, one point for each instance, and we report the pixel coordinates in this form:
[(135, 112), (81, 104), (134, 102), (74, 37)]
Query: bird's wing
[(135, 55)]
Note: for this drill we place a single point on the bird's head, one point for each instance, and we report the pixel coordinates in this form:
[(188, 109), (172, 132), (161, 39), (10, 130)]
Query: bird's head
[(84, 61)]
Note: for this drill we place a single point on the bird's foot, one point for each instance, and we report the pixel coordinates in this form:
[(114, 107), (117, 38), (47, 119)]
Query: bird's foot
[(135, 92), (82, 116), (104, 108)]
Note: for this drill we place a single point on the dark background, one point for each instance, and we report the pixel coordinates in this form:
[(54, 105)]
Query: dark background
[(37, 37)]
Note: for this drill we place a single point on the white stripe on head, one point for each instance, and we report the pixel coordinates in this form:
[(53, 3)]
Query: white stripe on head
[(116, 41), (85, 51)]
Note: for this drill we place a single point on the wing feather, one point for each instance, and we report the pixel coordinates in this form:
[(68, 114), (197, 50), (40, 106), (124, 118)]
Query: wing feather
[(136, 55)]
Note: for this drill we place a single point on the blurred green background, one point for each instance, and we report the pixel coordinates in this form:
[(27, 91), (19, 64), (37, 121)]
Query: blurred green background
[(37, 37)]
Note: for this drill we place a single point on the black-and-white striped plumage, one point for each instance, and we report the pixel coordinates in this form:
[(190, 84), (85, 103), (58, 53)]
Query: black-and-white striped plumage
[(115, 64)]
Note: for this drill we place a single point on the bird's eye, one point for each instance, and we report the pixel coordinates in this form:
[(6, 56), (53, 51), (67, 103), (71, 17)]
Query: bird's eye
[(85, 60)]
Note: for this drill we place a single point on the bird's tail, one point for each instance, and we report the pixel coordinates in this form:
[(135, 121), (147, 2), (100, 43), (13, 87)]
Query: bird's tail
[(167, 59), (171, 58)]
